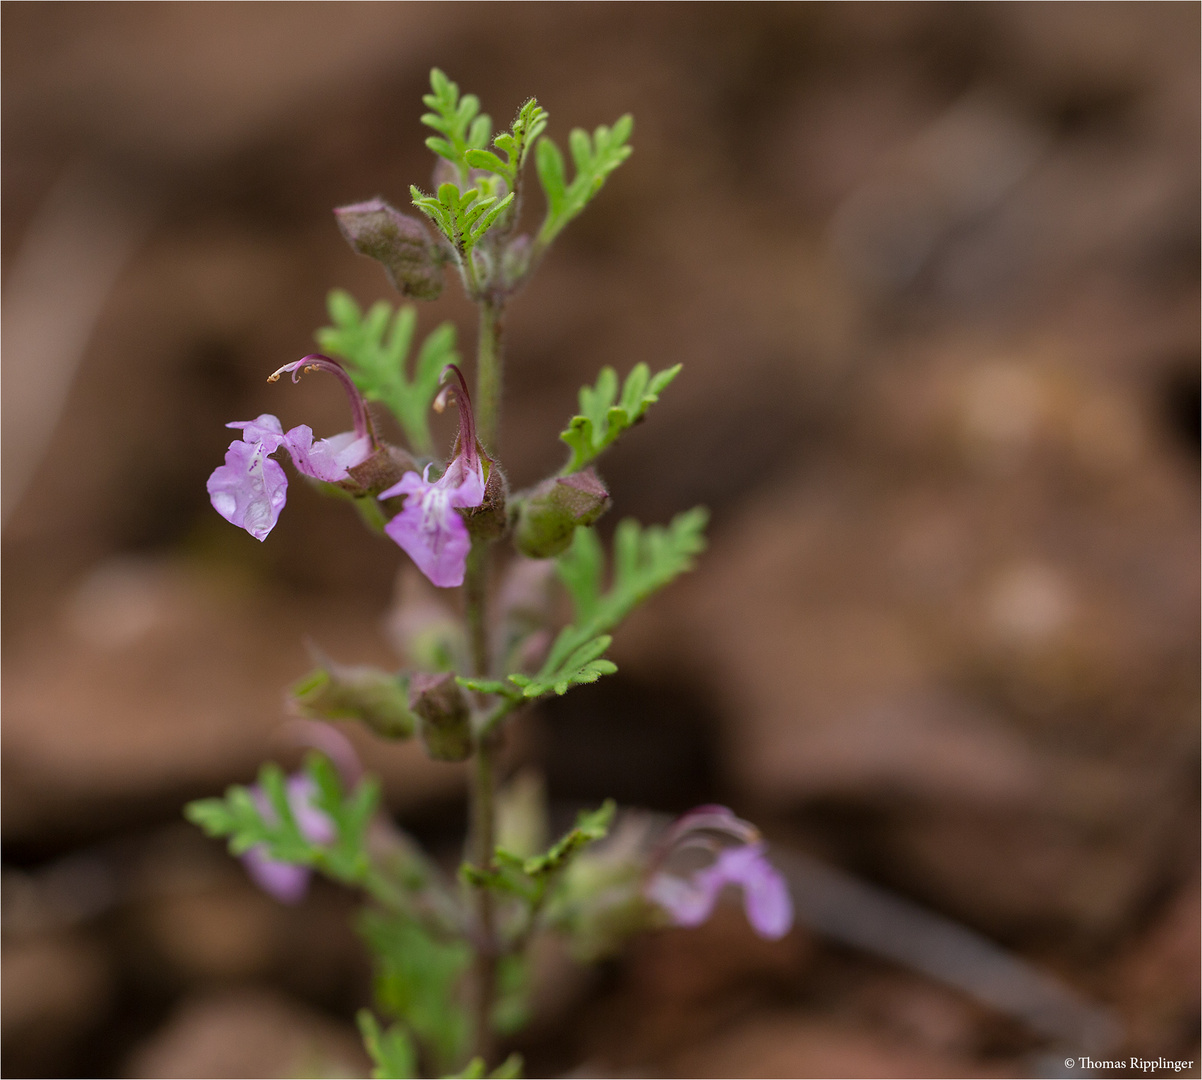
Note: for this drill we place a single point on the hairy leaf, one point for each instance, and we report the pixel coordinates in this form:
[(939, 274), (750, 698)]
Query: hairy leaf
[(604, 415), (594, 159), (463, 217), (515, 144), (239, 818), (460, 124)]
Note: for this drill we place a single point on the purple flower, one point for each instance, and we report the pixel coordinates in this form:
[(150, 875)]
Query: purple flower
[(250, 489), (690, 899), (429, 527), (286, 882)]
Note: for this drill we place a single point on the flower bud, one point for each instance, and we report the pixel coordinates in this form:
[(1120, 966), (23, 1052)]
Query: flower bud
[(341, 692), (442, 708), (411, 260), (550, 514)]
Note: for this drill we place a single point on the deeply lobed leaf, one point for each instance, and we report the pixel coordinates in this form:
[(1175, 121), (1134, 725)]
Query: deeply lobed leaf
[(594, 159), (604, 416), (375, 347), (238, 817)]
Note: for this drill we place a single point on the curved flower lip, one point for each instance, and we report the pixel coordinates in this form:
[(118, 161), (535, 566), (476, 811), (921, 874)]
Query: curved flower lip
[(429, 528)]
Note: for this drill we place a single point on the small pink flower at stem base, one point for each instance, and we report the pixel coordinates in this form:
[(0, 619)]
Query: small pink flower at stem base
[(429, 527)]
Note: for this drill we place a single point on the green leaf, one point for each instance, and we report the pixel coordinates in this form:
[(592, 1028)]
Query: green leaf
[(515, 144), (487, 686), (645, 560), (460, 124), (604, 416), (391, 1050), (463, 217), (580, 569), (509, 1069), (568, 666), (591, 825), (417, 981), (375, 349), (247, 823), (594, 159)]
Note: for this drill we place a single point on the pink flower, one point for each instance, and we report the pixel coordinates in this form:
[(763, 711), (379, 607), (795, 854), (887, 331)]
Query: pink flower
[(429, 527), (250, 489), (690, 899)]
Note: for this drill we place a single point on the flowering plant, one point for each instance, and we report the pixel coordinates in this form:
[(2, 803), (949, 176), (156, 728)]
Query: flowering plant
[(450, 955)]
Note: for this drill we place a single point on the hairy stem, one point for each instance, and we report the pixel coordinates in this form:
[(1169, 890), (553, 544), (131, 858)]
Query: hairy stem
[(488, 373), (483, 795), (484, 964)]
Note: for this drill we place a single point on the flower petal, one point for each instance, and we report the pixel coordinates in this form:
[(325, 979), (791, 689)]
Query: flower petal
[(327, 459), (429, 528), (250, 489), (766, 897)]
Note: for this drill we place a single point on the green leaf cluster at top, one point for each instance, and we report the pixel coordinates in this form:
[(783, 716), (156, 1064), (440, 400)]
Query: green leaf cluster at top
[(485, 191), (238, 816), (375, 347), (460, 125), (515, 144), (604, 416), (594, 159), (645, 560)]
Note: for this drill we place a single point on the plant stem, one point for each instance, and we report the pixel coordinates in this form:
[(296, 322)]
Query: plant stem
[(484, 964), (483, 796), (488, 372)]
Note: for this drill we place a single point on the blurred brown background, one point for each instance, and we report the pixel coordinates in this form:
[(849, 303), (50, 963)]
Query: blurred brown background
[(932, 270)]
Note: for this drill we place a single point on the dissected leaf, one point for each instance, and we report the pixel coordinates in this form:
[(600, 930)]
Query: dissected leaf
[(515, 144), (247, 823), (604, 415), (463, 217), (417, 979), (374, 347), (594, 159), (460, 124), (391, 1050)]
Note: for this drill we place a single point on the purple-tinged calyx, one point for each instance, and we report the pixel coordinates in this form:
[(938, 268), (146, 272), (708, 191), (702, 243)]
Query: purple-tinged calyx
[(689, 898), (250, 489), (399, 242), (429, 528)]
